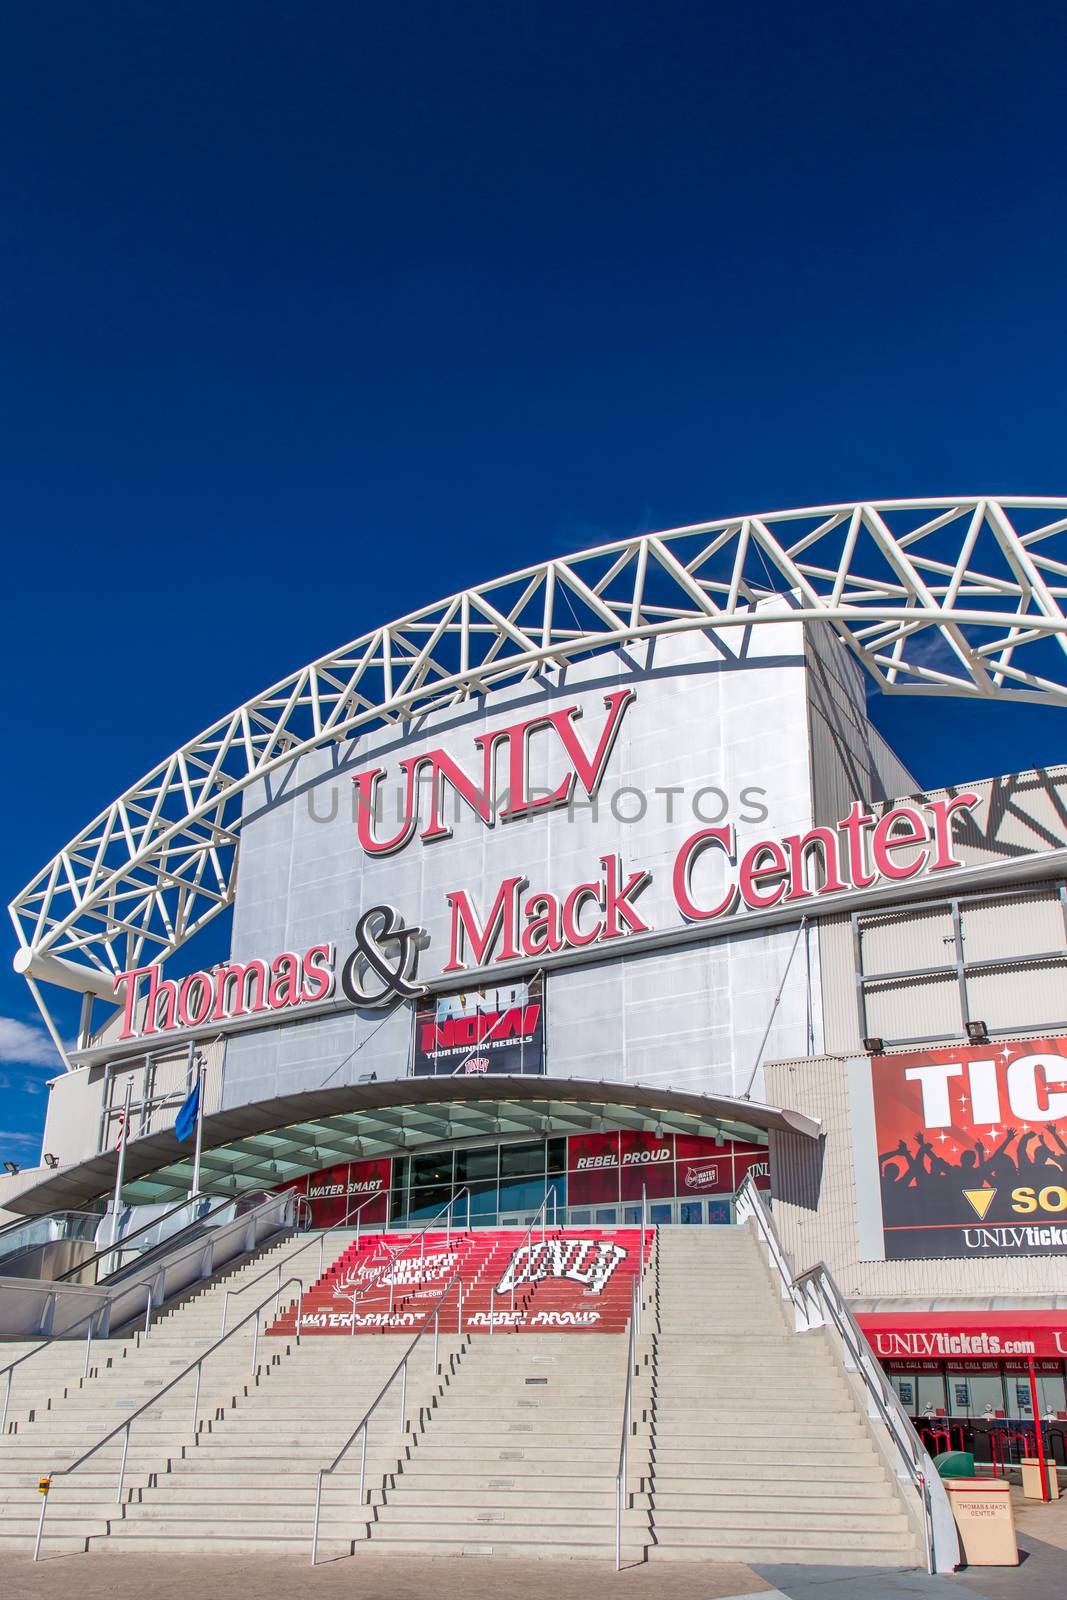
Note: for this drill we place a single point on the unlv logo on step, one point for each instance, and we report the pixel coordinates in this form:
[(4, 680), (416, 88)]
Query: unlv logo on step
[(590, 1262)]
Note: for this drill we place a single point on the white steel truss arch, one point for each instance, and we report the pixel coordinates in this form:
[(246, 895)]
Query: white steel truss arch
[(948, 597)]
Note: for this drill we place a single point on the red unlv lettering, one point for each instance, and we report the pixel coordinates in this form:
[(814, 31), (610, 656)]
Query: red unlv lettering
[(506, 747)]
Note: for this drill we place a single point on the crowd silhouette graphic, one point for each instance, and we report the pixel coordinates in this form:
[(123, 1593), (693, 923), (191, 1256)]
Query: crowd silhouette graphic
[(923, 1186)]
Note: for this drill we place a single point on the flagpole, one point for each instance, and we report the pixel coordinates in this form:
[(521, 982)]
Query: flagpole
[(120, 1170), (201, 1073)]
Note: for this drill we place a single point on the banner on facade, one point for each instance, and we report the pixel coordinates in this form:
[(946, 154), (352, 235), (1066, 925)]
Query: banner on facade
[(473, 1031), (336, 1193), (975, 1337), (972, 1149), (606, 1168)]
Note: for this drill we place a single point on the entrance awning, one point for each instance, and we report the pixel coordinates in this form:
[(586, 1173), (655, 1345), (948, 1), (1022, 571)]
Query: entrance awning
[(963, 1336), (273, 1141)]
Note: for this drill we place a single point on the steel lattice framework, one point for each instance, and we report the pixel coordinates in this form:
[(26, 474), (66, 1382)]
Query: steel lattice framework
[(948, 597)]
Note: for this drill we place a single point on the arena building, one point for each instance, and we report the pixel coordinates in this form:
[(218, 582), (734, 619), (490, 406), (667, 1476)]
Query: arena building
[(592, 895)]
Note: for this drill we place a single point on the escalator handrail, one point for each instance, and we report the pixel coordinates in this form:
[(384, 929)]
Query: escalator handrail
[(25, 1222), (121, 1244)]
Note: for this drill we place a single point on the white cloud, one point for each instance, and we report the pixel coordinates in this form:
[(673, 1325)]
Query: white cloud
[(25, 1045)]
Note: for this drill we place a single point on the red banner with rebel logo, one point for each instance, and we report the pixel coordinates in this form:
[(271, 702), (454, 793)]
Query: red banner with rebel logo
[(647, 1165), (606, 1168), (336, 1192), (707, 1167), (972, 1149)]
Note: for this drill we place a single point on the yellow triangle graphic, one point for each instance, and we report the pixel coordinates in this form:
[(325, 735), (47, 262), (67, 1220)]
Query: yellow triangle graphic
[(980, 1200)]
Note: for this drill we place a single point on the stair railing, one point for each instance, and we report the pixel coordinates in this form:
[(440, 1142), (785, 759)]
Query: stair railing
[(818, 1302), (124, 1427), (91, 1318), (627, 1423), (400, 1370), (97, 1321), (527, 1238), (419, 1233), (307, 1245)]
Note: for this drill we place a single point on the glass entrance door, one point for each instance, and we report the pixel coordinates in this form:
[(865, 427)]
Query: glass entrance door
[(704, 1211)]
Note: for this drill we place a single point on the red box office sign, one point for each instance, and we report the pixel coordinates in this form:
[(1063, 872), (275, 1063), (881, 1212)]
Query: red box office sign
[(337, 1191), (966, 1336), (972, 1156)]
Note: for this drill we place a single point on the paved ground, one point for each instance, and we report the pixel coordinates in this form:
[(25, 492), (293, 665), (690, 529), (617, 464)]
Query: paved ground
[(1042, 1575), (101, 1576)]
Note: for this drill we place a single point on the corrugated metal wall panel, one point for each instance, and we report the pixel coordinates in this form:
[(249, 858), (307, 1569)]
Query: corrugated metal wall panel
[(1037, 992), (924, 1008), (849, 758), (837, 968), (905, 941), (1028, 923)]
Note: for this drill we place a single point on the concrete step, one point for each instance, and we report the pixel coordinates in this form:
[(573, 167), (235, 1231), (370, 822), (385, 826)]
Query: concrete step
[(722, 1457), (555, 1521), (531, 1541), (878, 1520), (411, 1493), (757, 1480), (817, 1547)]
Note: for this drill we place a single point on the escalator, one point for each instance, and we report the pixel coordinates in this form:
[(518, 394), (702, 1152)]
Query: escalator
[(48, 1247), (117, 1281)]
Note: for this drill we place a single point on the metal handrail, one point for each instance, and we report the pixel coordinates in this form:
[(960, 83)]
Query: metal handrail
[(90, 1317), (816, 1300), (542, 1212), (419, 1233), (24, 1222), (119, 1245), (349, 1214), (306, 1245), (124, 1427), (627, 1421), (321, 1241), (361, 1427)]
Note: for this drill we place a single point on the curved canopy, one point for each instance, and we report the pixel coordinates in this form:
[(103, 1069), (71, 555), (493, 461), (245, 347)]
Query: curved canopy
[(267, 1144), (949, 597)]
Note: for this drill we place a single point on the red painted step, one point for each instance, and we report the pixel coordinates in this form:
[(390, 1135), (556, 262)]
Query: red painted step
[(575, 1280)]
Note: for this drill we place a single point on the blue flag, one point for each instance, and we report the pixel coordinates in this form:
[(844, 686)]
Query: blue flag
[(186, 1119)]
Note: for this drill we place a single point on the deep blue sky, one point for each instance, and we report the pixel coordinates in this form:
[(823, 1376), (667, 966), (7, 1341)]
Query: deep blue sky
[(311, 313)]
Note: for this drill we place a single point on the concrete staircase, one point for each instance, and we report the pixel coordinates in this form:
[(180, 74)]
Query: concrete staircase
[(758, 1452), (521, 1459), (249, 1483), (56, 1413)]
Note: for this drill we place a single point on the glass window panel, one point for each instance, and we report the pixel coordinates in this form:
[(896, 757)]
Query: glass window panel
[(472, 1164), (520, 1158), (580, 1219), (522, 1195), (557, 1155), (483, 1202), (932, 1397), (1050, 1393), (425, 1202), (435, 1168)]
